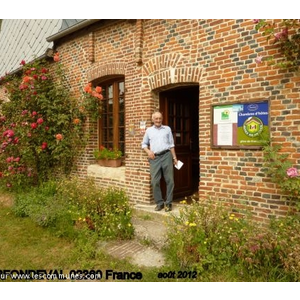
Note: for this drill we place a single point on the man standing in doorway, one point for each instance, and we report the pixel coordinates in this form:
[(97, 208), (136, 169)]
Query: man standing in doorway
[(158, 143)]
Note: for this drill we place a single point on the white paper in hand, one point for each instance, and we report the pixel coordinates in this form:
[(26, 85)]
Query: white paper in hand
[(179, 165)]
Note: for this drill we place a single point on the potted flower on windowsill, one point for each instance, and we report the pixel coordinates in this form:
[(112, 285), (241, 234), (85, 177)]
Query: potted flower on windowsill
[(108, 157)]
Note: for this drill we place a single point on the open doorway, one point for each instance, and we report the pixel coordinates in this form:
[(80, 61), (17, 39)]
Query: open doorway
[(180, 109)]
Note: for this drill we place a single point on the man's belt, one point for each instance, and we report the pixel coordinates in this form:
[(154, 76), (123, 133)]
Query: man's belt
[(161, 153)]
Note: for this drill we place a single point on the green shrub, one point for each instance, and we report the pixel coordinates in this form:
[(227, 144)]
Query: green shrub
[(106, 211), (41, 126), (286, 233), (199, 237), (207, 236), (41, 205)]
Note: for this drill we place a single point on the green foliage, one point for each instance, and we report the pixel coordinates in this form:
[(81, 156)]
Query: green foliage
[(286, 233), (105, 153), (106, 211), (199, 237), (281, 171), (209, 238), (285, 34), (43, 206), (71, 208), (40, 126)]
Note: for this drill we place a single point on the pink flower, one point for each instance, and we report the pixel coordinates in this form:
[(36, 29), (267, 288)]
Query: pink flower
[(9, 133), (277, 36), (292, 172), (40, 121), (22, 62), (258, 59), (255, 21), (34, 113), (281, 35), (284, 32), (9, 159), (33, 125), (23, 87)]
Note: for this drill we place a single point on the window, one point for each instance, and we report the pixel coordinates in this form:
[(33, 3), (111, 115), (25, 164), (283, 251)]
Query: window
[(112, 122)]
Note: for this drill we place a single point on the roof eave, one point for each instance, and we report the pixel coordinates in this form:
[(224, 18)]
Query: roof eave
[(70, 30)]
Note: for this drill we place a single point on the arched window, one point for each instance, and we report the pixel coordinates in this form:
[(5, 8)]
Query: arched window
[(112, 122)]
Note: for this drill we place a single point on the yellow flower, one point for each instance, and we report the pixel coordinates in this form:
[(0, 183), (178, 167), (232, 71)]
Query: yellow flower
[(187, 223), (192, 224), (183, 202)]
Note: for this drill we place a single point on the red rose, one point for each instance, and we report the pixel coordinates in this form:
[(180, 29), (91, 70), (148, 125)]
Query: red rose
[(44, 145)]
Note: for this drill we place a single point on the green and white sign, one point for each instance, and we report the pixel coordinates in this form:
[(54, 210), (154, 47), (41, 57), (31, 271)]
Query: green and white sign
[(241, 125)]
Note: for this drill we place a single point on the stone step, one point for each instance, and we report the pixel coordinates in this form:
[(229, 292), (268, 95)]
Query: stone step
[(145, 249), (150, 225)]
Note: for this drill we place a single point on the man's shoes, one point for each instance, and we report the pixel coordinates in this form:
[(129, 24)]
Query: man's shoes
[(158, 207), (168, 207)]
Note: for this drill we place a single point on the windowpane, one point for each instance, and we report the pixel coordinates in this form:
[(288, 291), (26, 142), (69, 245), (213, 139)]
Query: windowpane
[(112, 126)]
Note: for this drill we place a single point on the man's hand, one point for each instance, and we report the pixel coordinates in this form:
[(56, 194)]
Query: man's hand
[(151, 154), (175, 161)]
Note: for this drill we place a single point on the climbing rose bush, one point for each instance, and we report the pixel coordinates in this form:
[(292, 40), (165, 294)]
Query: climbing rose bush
[(282, 172), (286, 35), (39, 136)]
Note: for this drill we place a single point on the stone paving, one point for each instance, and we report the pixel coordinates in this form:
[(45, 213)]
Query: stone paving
[(150, 236)]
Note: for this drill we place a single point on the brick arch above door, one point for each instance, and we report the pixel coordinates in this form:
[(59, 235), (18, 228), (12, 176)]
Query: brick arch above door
[(101, 70), (175, 76), (163, 70)]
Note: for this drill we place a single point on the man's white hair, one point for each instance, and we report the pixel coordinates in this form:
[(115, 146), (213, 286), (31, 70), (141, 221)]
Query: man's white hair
[(155, 113)]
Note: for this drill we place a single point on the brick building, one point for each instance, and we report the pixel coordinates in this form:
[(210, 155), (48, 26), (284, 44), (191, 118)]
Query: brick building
[(184, 68)]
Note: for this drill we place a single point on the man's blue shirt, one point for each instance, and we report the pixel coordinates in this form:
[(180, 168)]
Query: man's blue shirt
[(158, 138)]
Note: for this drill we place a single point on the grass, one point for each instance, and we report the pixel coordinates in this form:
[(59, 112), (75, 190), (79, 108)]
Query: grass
[(27, 246), (24, 245)]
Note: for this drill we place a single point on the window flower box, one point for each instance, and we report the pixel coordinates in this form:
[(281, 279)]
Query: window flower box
[(108, 157), (113, 163)]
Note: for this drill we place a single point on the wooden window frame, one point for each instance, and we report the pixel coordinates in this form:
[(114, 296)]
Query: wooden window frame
[(116, 122)]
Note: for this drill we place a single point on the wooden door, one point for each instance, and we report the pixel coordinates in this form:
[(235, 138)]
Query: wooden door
[(180, 112)]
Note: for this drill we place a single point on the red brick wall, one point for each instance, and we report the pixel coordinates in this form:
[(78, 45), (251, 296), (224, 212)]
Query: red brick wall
[(219, 55)]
